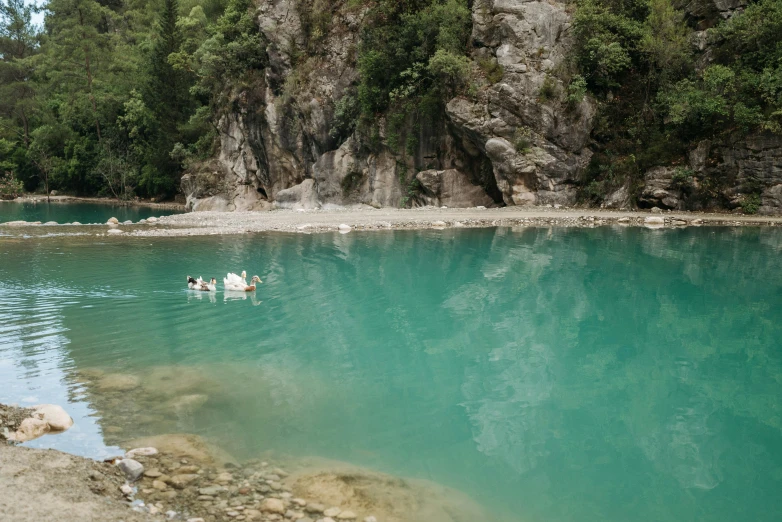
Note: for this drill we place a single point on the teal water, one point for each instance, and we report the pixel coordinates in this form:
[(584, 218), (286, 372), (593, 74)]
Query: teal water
[(69, 212), (606, 374)]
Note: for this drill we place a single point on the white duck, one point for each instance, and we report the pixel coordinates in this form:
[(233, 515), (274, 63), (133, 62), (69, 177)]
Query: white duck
[(237, 283), (211, 286)]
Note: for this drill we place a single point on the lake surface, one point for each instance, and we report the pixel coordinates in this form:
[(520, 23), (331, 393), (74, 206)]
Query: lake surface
[(84, 213), (606, 374)]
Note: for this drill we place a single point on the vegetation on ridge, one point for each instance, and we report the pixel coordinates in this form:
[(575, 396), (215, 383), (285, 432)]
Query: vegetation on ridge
[(659, 95)]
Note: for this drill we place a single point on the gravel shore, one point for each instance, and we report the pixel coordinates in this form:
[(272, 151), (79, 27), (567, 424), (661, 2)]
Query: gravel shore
[(366, 219)]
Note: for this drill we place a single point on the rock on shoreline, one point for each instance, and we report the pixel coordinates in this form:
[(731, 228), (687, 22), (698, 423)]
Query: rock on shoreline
[(24, 424)]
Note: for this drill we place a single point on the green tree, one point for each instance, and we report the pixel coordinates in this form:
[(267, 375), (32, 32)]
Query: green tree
[(18, 45)]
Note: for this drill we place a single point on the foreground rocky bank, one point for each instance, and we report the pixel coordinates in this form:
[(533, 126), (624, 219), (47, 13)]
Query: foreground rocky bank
[(180, 477)]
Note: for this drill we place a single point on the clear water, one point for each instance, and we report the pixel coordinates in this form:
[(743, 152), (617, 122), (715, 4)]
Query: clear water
[(606, 374), (85, 213)]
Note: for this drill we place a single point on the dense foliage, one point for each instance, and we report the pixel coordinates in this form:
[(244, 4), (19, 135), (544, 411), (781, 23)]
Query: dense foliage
[(114, 96), (659, 94)]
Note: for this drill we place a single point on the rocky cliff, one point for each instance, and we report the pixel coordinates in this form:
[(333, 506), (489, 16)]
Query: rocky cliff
[(504, 144), (513, 140)]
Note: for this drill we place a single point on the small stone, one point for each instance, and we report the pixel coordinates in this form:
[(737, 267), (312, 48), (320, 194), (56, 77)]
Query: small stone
[(370, 518), (345, 227), (224, 477), (153, 510), (180, 481), (244, 491), (159, 485), (275, 485), (347, 515), (115, 231), (299, 502), (195, 520), (211, 490), (152, 220), (126, 490), (653, 220), (152, 473), (205, 498), (171, 514), (183, 470), (480, 207), (439, 224), (112, 221), (232, 513), (327, 519), (623, 219), (131, 468), (141, 452), (253, 514), (272, 505), (656, 210), (332, 512), (696, 222), (314, 507), (127, 222)]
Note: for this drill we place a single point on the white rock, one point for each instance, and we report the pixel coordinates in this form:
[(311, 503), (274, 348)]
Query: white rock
[(54, 416), (152, 219), (347, 515), (343, 226), (480, 207), (127, 222), (654, 220), (332, 512), (370, 518), (439, 224), (305, 226), (30, 429), (132, 469), (141, 452), (624, 219), (126, 490), (115, 231), (273, 505), (112, 221)]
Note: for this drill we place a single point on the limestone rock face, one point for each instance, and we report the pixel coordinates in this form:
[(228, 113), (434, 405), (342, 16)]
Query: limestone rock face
[(739, 170), (537, 145), (450, 188), (281, 146), (659, 190)]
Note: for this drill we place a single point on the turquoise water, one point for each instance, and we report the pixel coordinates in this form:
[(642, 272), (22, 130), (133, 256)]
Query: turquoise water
[(69, 212), (606, 374)]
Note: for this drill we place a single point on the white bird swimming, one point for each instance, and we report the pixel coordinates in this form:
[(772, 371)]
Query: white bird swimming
[(211, 286), (238, 283)]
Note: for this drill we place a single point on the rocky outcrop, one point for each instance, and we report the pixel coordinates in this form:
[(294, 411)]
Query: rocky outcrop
[(536, 144), (280, 148), (450, 188), (744, 174)]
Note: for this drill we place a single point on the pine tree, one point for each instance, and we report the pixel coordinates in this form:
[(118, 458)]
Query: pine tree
[(18, 44)]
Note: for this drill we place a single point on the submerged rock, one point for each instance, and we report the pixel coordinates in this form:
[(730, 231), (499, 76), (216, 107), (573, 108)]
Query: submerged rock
[(118, 382), (272, 505), (141, 452)]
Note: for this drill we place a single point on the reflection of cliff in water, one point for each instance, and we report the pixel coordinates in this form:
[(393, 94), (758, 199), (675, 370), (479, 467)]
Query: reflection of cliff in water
[(557, 368)]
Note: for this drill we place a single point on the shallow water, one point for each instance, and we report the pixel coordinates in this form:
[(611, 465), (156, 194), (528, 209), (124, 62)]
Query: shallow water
[(62, 212), (605, 374)]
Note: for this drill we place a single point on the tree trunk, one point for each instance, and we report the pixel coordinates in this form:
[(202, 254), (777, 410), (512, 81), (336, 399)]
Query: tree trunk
[(26, 125)]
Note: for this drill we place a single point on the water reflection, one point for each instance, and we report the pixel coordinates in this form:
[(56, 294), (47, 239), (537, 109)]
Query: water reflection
[(607, 374)]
